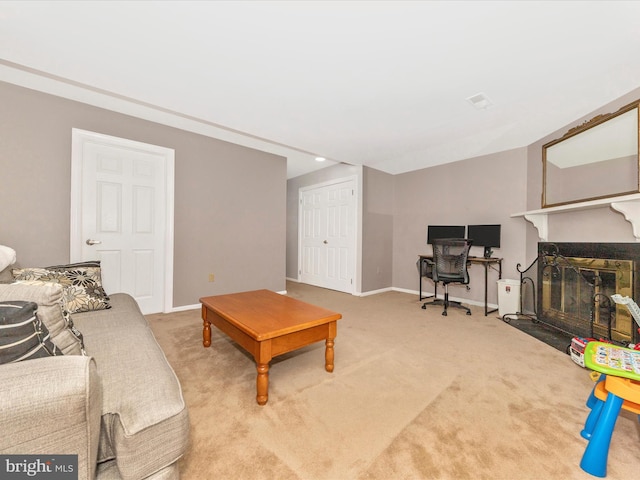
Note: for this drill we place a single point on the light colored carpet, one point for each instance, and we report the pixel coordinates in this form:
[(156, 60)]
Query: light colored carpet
[(414, 395)]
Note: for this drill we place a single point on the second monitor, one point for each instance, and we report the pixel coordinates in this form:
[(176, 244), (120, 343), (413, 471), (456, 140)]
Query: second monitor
[(487, 236)]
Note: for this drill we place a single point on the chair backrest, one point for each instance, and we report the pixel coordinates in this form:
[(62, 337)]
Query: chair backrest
[(450, 258)]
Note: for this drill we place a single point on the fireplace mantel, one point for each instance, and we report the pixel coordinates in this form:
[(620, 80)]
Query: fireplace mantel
[(628, 205)]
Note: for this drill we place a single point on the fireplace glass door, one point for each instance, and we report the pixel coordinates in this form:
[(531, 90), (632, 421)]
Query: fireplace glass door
[(576, 297)]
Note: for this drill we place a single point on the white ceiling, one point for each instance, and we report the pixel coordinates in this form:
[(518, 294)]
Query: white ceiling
[(382, 84)]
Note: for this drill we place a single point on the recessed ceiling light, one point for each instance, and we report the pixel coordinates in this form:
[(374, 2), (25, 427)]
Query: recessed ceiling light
[(480, 101), (320, 159)]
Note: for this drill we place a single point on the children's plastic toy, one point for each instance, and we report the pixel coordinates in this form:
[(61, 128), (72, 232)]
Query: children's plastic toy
[(633, 308), (612, 360), (576, 349), (631, 305)]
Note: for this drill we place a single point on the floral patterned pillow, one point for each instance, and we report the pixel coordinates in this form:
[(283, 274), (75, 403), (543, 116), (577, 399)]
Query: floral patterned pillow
[(81, 282)]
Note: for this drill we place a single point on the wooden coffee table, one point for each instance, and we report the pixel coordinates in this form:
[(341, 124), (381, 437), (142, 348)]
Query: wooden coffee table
[(267, 324)]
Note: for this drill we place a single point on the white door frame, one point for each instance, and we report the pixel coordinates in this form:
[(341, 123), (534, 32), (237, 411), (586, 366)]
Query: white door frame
[(355, 261), (78, 139)]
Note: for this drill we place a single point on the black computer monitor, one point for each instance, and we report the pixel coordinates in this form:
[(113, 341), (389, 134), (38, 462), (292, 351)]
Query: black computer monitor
[(434, 232), (486, 236)]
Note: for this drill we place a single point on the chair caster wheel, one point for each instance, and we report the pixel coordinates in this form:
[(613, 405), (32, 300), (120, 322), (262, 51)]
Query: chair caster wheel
[(468, 313), (444, 314), (424, 307)]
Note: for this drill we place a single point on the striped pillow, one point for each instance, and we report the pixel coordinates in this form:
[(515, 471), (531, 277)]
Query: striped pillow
[(23, 336), (48, 297)]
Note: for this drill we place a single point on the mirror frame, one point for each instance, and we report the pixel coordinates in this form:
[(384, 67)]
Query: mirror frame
[(580, 130)]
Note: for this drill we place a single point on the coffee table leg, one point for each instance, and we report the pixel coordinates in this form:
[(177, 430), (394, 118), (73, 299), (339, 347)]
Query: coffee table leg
[(206, 328), (262, 383), (328, 352), (328, 355), (206, 334)]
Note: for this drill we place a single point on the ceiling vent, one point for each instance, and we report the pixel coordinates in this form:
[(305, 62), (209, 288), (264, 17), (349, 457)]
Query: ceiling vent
[(480, 101)]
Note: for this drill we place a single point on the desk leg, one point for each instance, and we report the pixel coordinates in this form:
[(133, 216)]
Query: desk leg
[(486, 278)]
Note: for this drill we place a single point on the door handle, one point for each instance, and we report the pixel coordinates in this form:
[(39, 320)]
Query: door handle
[(93, 242)]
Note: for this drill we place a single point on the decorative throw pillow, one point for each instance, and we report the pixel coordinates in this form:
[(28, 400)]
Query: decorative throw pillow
[(88, 274), (48, 297), (82, 283), (23, 336)]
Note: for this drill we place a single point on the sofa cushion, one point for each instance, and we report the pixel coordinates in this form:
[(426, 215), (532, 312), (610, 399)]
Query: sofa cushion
[(82, 283), (23, 336), (145, 424), (48, 297)]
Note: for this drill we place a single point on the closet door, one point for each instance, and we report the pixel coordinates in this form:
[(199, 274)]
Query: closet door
[(327, 247)]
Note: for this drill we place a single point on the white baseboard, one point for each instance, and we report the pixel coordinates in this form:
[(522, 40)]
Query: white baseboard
[(196, 306), (455, 299), (411, 292), (184, 308), (364, 294), (374, 292)]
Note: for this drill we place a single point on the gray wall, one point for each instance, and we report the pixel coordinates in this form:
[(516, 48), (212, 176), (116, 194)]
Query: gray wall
[(597, 225), (235, 217), (482, 190), (376, 212), (377, 230), (230, 201), (397, 209)]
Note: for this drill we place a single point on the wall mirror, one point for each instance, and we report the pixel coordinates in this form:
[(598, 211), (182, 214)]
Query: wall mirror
[(597, 159)]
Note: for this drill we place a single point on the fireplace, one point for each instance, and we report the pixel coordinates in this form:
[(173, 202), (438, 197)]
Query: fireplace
[(575, 284)]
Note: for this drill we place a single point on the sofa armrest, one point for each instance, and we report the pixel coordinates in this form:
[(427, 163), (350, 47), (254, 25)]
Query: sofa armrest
[(52, 406)]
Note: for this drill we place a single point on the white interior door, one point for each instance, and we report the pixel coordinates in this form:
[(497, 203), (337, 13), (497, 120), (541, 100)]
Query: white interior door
[(123, 212), (327, 237)]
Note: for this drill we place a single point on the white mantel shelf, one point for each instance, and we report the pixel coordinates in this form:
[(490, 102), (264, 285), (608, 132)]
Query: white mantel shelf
[(628, 205)]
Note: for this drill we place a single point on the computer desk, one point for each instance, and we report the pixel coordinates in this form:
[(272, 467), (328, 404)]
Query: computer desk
[(485, 262)]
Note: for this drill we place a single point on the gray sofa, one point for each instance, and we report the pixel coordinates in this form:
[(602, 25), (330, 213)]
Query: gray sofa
[(116, 403)]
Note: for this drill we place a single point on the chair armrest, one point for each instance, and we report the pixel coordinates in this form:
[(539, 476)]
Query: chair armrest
[(52, 406), (425, 267)]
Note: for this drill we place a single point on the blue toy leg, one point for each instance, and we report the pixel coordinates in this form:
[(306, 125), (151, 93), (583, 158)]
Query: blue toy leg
[(595, 404), (592, 400), (594, 460), (592, 419)]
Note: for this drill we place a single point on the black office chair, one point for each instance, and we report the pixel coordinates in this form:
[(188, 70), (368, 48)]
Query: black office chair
[(450, 256)]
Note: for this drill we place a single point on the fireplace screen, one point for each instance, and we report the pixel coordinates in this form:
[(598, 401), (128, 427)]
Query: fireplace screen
[(576, 296)]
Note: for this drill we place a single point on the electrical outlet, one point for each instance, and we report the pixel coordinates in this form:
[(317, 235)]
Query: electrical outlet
[(212, 277)]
